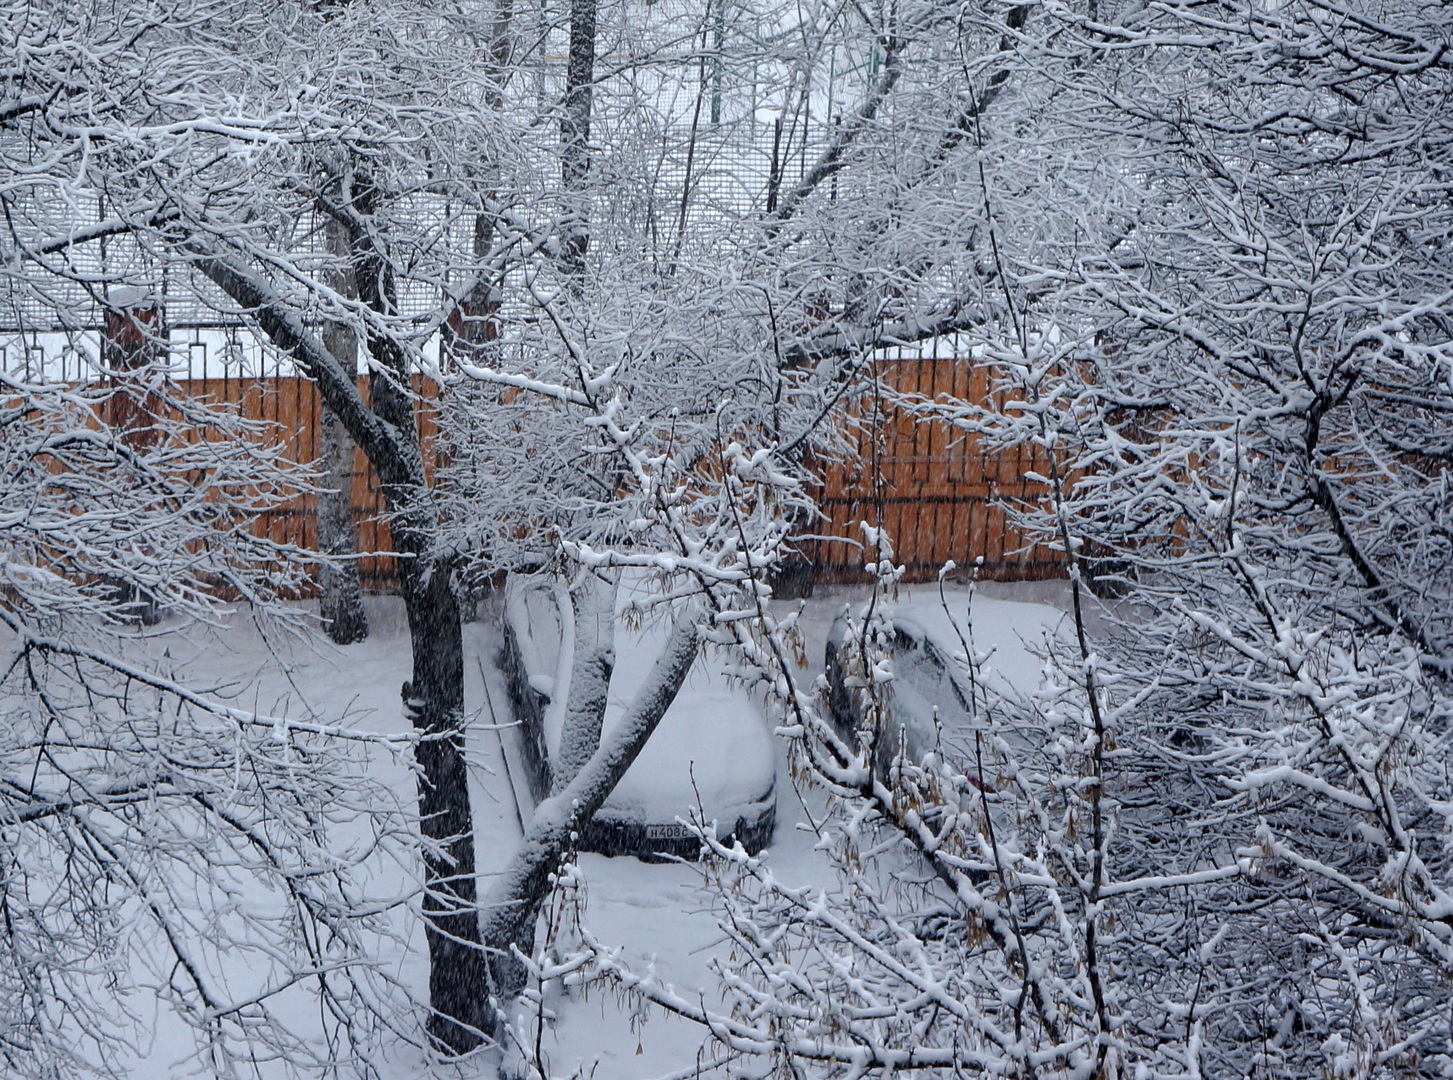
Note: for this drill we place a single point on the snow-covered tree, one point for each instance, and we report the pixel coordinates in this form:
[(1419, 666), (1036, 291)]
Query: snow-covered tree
[(150, 125), (260, 159), (1206, 252), (163, 845), (1214, 842), (1252, 414), (160, 843)]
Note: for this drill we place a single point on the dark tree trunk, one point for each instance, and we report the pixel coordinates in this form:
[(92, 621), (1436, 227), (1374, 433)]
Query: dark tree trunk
[(575, 137), (434, 697), (340, 601), (434, 702)]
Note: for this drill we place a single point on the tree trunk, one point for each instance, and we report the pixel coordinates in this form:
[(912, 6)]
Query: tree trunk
[(575, 138), (591, 665), (434, 702), (594, 604), (508, 916), (434, 697), (340, 601)]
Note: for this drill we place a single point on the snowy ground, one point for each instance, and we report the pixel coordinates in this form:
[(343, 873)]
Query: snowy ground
[(656, 912)]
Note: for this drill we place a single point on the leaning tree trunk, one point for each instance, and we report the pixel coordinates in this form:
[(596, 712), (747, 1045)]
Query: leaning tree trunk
[(509, 913), (592, 664), (594, 602), (340, 602)]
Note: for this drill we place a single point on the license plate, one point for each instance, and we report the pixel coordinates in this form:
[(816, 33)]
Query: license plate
[(668, 832)]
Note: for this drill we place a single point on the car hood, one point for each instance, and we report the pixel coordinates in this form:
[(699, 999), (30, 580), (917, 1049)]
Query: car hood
[(712, 748)]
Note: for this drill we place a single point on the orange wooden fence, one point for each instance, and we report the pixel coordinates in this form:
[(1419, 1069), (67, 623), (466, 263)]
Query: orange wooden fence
[(939, 495), (936, 492), (292, 405)]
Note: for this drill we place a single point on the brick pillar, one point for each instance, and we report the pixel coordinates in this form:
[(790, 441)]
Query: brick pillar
[(134, 342), (471, 325)]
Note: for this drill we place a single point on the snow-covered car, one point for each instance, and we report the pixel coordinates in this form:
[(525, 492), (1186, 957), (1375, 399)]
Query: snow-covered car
[(712, 754), (930, 695)]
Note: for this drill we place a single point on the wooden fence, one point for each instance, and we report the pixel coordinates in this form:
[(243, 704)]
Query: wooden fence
[(937, 493), (939, 496), (292, 406)]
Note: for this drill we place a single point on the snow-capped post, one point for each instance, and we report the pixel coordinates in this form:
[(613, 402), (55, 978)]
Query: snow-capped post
[(133, 346), (474, 323)]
